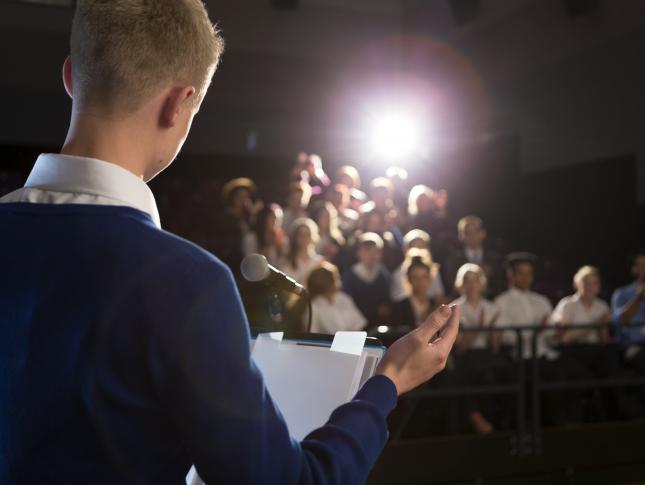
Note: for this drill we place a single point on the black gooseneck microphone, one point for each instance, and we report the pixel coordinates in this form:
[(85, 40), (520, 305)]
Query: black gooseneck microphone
[(256, 269)]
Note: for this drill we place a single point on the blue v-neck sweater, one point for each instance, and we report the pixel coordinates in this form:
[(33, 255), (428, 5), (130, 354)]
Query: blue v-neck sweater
[(124, 358)]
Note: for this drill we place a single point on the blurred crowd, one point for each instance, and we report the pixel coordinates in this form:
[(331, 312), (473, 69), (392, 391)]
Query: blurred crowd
[(381, 256)]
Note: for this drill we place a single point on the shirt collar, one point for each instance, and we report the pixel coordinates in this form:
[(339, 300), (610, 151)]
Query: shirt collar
[(67, 173)]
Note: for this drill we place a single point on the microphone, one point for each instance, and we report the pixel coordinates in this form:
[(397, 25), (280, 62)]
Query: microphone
[(255, 268)]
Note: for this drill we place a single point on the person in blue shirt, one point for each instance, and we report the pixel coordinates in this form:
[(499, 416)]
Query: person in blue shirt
[(628, 308), (124, 350), (368, 281)]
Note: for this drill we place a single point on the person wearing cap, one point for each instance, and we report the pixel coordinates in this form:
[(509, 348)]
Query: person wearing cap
[(234, 222)]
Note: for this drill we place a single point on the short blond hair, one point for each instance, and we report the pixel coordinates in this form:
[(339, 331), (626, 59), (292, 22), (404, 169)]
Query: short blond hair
[(582, 273), (124, 50), (470, 268)]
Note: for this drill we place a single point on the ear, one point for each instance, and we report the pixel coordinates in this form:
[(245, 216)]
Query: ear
[(175, 103), (67, 76)]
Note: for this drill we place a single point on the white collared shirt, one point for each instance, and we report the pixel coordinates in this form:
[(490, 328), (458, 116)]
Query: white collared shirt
[(524, 308), (340, 313), (66, 179), (483, 315), (474, 255), (570, 310)]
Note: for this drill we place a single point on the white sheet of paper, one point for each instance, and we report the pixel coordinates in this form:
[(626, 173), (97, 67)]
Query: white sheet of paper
[(306, 382)]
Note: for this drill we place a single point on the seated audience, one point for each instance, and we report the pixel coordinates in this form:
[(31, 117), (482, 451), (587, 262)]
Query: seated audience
[(628, 307), (301, 256), (298, 196), (416, 238), (331, 240), (472, 234), (267, 237), (332, 309), (477, 351), (368, 282), (413, 310)]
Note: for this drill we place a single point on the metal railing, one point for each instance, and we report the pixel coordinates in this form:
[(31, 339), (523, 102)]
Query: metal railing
[(528, 387)]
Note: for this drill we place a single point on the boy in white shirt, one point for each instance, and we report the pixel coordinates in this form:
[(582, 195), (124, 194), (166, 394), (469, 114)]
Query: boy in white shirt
[(521, 307)]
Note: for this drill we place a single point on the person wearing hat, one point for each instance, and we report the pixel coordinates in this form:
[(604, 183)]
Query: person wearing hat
[(234, 222)]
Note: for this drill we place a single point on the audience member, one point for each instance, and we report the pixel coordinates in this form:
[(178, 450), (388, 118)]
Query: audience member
[(301, 255), (477, 355), (348, 176), (338, 195), (298, 195), (332, 309), (585, 351), (398, 177), (472, 234), (380, 194), (628, 307), (331, 240), (427, 210), (368, 282), (318, 179), (416, 238), (519, 306), (234, 222), (413, 310), (267, 237)]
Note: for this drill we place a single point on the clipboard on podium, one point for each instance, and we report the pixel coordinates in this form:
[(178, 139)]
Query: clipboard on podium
[(310, 375)]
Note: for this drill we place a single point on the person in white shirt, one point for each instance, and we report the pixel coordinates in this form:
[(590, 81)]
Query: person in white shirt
[(587, 352), (399, 290), (332, 310), (521, 307), (478, 360), (301, 255), (581, 308)]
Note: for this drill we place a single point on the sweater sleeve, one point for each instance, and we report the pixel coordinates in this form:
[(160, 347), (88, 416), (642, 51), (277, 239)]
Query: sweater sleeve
[(223, 412)]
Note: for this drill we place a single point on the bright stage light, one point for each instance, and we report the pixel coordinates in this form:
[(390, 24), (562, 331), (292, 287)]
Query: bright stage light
[(394, 136)]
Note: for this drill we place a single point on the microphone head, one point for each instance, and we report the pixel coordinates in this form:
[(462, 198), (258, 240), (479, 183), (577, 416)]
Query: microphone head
[(255, 267)]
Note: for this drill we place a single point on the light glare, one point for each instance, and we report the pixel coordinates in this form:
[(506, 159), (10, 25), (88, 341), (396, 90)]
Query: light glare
[(394, 136)]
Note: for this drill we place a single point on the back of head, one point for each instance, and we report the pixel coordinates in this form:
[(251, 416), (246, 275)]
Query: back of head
[(323, 279), (124, 50)]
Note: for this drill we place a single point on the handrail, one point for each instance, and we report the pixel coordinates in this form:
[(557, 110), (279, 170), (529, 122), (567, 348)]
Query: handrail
[(531, 442)]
